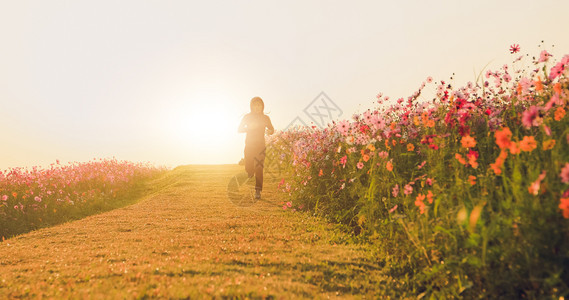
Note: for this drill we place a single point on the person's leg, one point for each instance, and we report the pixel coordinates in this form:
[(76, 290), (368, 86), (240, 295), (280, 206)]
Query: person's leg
[(259, 166), (249, 161)]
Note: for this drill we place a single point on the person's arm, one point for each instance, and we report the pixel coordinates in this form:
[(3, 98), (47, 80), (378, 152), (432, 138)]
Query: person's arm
[(242, 126), (270, 128)]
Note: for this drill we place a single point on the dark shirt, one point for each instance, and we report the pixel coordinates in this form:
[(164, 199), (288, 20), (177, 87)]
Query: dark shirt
[(254, 124)]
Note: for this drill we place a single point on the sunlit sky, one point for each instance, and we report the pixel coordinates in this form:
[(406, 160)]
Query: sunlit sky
[(167, 82)]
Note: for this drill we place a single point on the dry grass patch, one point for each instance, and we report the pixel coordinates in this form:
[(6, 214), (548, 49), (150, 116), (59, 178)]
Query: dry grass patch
[(187, 239)]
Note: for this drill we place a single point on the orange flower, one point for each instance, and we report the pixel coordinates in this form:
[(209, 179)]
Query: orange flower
[(410, 147), (503, 137), (502, 157), (394, 142), (371, 147), (365, 157), (564, 206), (559, 113), (528, 144), (557, 88), (460, 158), (472, 180), (549, 144), (534, 187), (430, 197), (468, 142), (420, 197), (419, 202), (496, 168), (538, 84), (416, 121), (514, 147), (472, 161), (425, 117), (389, 166), (320, 173), (431, 123)]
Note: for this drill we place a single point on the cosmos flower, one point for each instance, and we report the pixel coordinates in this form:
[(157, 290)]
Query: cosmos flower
[(565, 174), (515, 48), (530, 117), (472, 180), (468, 142), (528, 144), (535, 186), (408, 189), (395, 190), (503, 137), (548, 145), (544, 56), (564, 206)]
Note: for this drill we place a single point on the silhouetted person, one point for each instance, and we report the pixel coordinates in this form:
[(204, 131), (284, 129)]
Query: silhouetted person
[(254, 124)]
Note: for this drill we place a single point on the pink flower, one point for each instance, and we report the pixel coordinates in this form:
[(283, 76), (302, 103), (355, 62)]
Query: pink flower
[(544, 56), (556, 71), (5, 198), (38, 199), (377, 122), (565, 174), (360, 165), (530, 117), (421, 165), (408, 189), (289, 204), (393, 209), (343, 160), (547, 130), (395, 191), (534, 187), (343, 127), (429, 181), (515, 48)]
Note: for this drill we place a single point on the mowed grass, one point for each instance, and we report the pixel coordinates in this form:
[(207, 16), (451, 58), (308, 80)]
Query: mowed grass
[(184, 239)]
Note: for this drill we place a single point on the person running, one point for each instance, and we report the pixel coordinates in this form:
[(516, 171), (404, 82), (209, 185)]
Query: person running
[(254, 124)]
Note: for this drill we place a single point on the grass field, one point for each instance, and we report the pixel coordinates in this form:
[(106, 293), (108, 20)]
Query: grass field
[(185, 238)]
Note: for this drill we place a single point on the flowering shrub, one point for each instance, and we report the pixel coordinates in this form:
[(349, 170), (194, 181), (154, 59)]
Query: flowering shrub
[(464, 194), (33, 198)]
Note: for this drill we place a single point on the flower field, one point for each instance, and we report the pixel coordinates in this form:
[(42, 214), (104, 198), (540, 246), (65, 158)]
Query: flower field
[(37, 197), (462, 193)]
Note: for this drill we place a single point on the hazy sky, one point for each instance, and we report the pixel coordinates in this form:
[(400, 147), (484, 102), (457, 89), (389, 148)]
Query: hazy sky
[(168, 81)]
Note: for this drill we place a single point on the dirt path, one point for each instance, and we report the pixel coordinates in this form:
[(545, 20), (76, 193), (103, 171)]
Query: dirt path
[(187, 239)]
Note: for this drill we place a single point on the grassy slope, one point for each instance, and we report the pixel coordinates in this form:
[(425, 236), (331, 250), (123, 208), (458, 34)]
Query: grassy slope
[(186, 239)]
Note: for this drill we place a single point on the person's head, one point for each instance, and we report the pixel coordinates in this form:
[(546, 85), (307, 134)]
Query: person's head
[(257, 105)]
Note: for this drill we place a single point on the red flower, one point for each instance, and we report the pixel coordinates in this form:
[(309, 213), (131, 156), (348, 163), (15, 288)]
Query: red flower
[(515, 48)]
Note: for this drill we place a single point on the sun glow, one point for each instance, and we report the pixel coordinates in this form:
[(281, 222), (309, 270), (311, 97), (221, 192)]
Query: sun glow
[(207, 129)]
